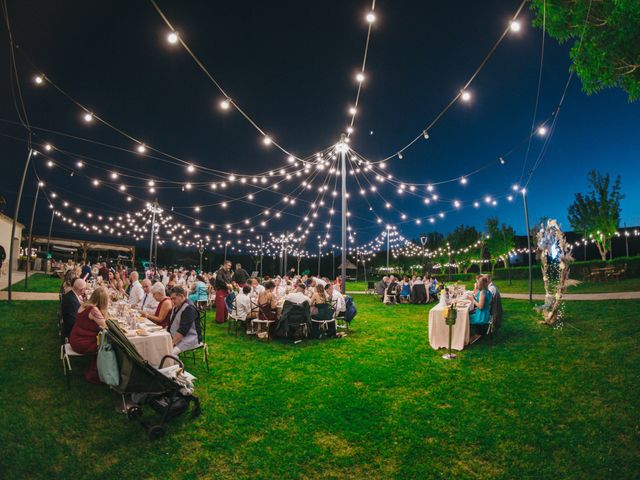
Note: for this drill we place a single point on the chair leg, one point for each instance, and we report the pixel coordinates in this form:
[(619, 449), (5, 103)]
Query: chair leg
[(206, 355)]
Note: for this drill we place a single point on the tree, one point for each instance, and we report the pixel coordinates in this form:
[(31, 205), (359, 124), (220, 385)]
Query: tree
[(463, 242), (608, 55), (499, 242), (598, 213)]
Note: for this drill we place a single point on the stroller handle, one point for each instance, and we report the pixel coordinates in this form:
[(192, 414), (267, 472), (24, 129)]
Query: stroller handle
[(173, 357)]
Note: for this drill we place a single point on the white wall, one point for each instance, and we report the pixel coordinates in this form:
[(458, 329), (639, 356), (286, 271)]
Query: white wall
[(5, 236)]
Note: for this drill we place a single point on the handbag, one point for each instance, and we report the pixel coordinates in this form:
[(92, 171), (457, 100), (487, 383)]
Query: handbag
[(107, 362)]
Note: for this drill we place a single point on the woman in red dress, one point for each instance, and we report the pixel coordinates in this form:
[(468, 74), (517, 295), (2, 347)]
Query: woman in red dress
[(90, 320), (163, 310)]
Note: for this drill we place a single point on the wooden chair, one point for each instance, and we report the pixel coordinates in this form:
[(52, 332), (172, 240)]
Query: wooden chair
[(390, 297)]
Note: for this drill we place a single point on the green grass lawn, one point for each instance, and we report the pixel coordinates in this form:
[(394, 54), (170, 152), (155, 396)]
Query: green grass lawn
[(380, 403), (39, 282), (522, 286)]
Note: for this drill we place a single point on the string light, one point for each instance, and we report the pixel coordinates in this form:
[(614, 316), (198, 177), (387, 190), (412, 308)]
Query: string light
[(88, 117), (172, 38), (267, 140), (225, 104), (465, 96), (141, 148), (38, 79), (515, 26), (371, 17), (360, 77), (542, 130)]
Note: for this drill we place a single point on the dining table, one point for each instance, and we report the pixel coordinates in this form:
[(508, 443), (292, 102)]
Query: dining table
[(439, 330)]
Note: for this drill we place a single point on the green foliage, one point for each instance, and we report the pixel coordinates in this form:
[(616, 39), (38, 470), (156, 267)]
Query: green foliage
[(379, 403), (500, 241), (598, 213), (609, 55), (461, 241)]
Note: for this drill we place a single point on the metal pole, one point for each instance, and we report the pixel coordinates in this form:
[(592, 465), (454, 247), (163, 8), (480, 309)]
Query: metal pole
[(343, 174), (319, 257), (200, 251), (53, 214), (153, 230), (284, 270), (33, 215), (225, 252), (333, 261), (387, 250), (261, 256), (526, 221), (626, 241), (15, 220)]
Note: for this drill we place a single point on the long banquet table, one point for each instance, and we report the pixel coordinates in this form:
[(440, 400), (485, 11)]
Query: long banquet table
[(439, 330)]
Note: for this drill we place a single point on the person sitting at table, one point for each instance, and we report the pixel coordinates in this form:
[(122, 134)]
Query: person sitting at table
[(67, 282), (136, 293), (199, 290), (90, 320), (479, 318), (321, 310), (184, 324), (381, 286), (393, 289), (243, 308), (148, 303), (70, 305), (268, 303), (336, 298), (86, 271), (405, 289), (419, 293), (256, 289), (163, 306), (297, 297)]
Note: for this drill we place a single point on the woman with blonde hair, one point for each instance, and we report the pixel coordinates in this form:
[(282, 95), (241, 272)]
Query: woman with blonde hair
[(91, 318)]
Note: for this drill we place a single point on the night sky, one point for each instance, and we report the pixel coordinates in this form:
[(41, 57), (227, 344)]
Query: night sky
[(291, 66)]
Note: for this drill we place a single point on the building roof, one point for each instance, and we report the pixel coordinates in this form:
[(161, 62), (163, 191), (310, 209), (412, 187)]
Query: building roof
[(9, 219)]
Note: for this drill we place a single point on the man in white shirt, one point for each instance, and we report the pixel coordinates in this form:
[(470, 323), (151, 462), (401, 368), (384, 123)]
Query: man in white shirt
[(281, 289), (319, 281), (243, 304), (148, 304), (298, 297), (136, 293), (336, 299), (181, 280), (256, 289)]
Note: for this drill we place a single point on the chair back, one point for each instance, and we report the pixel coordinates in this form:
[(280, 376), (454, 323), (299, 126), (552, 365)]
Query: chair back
[(371, 286), (325, 312)]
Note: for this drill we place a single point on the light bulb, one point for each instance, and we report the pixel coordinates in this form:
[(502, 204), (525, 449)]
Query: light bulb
[(425, 134), (191, 168), (353, 110), (172, 38), (542, 130), (360, 77), (463, 180), (267, 140), (79, 164), (88, 117), (141, 148), (38, 79), (465, 96), (371, 17), (515, 26), (225, 104), (349, 129)]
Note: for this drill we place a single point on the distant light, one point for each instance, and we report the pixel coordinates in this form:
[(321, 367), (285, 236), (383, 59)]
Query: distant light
[(515, 187), (88, 117), (191, 168), (371, 17), (510, 198), (430, 188), (50, 164), (267, 140), (465, 96), (502, 161), (114, 175), (463, 180), (515, 26), (476, 204), (123, 187), (400, 155), (290, 159), (141, 148), (425, 134), (79, 164), (225, 104), (456, 203), (38, 79), (353, 110), (129, 199), (188, 186), (96, 182), (542, 130), (349, 129), (40, 184), (48, 147), (360, 77), (172, 38)]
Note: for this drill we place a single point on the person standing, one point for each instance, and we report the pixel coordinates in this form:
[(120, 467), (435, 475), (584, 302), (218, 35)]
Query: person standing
[(3, 256), (222, 285), (240, 276)]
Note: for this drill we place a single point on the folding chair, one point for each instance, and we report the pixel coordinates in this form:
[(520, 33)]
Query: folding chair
[(232, 318), (202, 345), (371, 288), (66, 352), (390, 298), (324, 316)]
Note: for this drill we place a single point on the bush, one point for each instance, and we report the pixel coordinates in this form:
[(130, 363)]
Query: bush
[(578, 269)]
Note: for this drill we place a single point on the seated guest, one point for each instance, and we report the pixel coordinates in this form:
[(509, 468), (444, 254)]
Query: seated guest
[(171, 282), (256, 289), (199, 290), (70, 305), (323, 311), (479, 318), (90, 320), (419, 293), (336, 298), (183, 323), (298, 296), (149, 303), (433, 286), (244, 308), (318, 281), (103, 271), (405, 288), (280, 289), (381, 286), (85, 273), (67, 283), (268, 303), (136, 293), (163, 306), (393, 288)]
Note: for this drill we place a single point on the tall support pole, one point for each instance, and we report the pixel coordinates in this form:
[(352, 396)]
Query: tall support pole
[(15, 220), (200, 251), (319, 257), (343, 174), (53, 214), (333, 262), (225, 252), (284, 270), (388, 249), (153, 232), (526, 222), (261, 256), (626, 239), (33, 216)]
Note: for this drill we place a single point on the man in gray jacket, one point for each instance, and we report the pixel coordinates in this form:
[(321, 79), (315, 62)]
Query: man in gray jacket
[(184, 323)]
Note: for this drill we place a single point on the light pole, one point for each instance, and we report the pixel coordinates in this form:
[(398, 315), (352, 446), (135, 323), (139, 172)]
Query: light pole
[(388, 249), (526, 222), (225, 252), (261, 256), (423, 241), (15, 220), (154, 209), (343, 148), (33, 214), (200, 251), (319, 256), (53, 214), (626, 239)]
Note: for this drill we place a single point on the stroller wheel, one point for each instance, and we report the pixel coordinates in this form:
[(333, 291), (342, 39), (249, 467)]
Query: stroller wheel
[(134, 412), (156, 432)]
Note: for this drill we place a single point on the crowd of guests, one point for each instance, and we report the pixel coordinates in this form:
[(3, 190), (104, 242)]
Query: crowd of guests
[(169, 298), (416, 289)]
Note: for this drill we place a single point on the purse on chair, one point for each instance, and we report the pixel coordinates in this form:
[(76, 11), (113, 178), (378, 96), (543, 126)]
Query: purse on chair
[(107, 363)]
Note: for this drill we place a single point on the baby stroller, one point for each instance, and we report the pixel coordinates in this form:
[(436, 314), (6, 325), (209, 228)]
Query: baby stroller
[(169, 397)]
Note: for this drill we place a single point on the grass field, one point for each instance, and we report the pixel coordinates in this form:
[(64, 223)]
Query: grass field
[(380, 403), (522, 286), (39, 282)]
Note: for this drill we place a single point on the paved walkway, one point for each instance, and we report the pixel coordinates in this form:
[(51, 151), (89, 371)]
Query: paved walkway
[(18, 276), (567, 296)]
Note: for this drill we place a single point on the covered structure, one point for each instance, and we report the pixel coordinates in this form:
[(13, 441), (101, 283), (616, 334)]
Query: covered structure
[(5, 238), (71, 246)]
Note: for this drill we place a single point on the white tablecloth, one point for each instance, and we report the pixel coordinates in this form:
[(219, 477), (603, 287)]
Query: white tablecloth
[(439, 330), (153, 346)]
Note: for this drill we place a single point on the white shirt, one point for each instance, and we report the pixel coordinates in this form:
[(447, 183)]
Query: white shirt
[(149, 304), (297, 298), (136, 294), (493, 289), (281, 291), (243, 306), (338, 299), (181, 281), (320, 282)]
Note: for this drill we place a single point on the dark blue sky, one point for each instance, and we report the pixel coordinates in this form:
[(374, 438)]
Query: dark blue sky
[(291, 66)]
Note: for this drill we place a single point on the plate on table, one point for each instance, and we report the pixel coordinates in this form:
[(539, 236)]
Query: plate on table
[(155, 328), (131, 333)]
